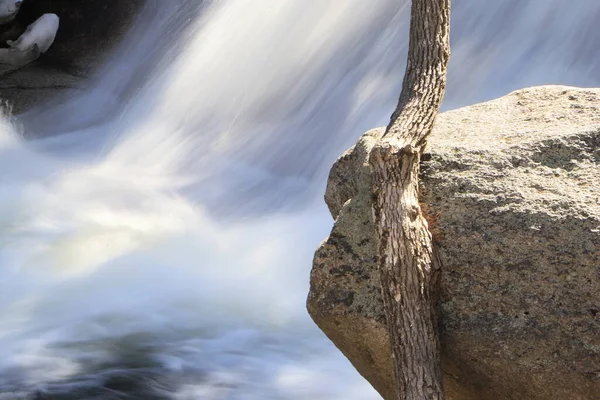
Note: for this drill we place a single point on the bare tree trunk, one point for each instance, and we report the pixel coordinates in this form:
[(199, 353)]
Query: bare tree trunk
[(407, 262)]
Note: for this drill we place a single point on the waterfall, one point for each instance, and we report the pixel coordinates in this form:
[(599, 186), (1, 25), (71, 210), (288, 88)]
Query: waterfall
[(157, 230)]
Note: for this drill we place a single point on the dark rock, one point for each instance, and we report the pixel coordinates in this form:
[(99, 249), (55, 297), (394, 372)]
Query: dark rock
[(88, 30)]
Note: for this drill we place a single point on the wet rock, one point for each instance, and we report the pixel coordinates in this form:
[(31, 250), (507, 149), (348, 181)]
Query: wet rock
[(40, 33), (513, 187), (30, 45), (9, 10), (14, 57), (89, 29)]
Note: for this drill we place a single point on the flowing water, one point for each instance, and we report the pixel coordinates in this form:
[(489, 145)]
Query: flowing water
[(156, 232)]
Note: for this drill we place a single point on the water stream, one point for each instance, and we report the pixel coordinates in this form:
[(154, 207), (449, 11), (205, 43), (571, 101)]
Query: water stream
[(157, 231)]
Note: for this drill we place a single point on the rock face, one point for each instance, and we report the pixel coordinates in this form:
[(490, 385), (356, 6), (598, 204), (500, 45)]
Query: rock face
[(88, 30), (514, 188)]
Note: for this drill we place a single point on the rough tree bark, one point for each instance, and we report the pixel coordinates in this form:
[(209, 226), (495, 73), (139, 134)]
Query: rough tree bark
[(408, 265)]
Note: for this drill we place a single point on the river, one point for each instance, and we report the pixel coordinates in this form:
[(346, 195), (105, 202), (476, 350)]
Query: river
[(157, 230)]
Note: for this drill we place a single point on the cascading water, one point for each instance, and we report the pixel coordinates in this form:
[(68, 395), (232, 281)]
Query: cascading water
[(156, 232)]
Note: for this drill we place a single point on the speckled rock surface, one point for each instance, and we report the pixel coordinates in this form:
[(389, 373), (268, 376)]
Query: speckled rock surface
[(516, 184)]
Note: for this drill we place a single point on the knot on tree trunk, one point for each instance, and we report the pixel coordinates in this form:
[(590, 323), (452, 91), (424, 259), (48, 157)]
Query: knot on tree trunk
[(407, 264)]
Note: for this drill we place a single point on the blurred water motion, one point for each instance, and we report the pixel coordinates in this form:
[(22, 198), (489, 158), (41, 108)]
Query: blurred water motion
[(157, 231)]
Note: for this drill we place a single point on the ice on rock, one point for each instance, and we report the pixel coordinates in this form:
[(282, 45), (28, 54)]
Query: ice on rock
[(37, 39), (41, 34)]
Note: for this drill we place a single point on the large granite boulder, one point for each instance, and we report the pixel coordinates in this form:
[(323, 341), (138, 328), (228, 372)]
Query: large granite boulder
[(514, 188)]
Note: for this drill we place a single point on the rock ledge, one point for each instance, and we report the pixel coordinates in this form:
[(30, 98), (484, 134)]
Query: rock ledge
[(515, 182)]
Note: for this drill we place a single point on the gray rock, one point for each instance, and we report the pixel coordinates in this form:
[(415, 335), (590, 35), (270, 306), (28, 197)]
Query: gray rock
[(513, 189), (10, 58), (26, 87)]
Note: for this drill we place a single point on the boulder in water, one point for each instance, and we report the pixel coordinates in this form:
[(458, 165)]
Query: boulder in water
[(513, 188)]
